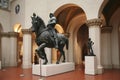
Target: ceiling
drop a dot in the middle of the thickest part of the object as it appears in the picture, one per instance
(110, 9)
(66, 15)
(69, 13)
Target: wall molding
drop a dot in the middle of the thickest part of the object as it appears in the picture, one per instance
(9, 34)
(106, 29)
(26, 31)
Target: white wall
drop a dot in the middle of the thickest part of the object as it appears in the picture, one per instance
(106, 49)
(20, 17)
(110, 44)
(115, 22)
(35, 6)
(44, 7)
(5, 42)
(5, 20)
(91, 7)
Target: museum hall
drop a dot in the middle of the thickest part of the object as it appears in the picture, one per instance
(60, 40)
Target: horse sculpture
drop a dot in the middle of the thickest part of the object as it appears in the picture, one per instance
(45, 39)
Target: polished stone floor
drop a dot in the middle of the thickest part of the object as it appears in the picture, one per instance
(17, 73)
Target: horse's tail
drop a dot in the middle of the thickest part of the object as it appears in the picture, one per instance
(67, 43)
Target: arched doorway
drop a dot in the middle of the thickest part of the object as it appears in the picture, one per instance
(17, 28)
(110, 39)
(82, 39)
(71, 17)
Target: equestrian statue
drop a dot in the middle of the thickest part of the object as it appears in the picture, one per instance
(47, 36)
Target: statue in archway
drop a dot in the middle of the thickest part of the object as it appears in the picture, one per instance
(90, 50)
(46, 36)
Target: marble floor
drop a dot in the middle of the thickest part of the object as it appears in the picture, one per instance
(17, 73)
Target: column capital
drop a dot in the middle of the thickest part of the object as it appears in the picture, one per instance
(9, 34)
(4, 34)
(106, 29)
(13, 34)
(94, 22)
(26, 31)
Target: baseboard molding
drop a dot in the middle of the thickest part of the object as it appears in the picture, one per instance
(112, 66)
(108, 66)
(116, 66)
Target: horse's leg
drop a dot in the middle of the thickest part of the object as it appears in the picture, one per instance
(58, 60)
(45, 57)
(63, 56)
(41, 52)
(61, 53)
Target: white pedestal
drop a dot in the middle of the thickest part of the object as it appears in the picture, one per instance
(0, 64)
(90, 65)
(53, 69)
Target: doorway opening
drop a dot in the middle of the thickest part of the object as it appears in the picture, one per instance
(71, 17)
(17, 28)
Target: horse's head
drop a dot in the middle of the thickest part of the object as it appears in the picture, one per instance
(37, 23)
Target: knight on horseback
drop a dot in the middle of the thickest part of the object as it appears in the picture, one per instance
(48, 37)
(51, 27)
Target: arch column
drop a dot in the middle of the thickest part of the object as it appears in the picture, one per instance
(54, 55)
(13, 48)
(106, 46)
(4, 49)
(95, 35)
(9, 51)
(27, 48)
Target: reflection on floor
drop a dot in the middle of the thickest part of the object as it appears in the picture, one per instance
(16, 73)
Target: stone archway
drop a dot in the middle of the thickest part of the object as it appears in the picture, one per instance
(110, 47)
(71, 17)
(17, 28)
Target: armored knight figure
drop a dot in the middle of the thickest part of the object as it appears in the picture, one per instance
(51, 25)
(34, 17)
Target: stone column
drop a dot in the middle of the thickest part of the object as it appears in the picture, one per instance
(13, 48)
(95, 35)
(54, 55)
(106, 46)
(27, 48)
(0, 52)
(4, 49)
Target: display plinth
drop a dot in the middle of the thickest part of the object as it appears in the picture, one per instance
(90, 65)
(53, 69)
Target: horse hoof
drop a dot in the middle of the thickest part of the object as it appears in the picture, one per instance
(44, 63)
(63, 61)
(57, 62)
(42, 57)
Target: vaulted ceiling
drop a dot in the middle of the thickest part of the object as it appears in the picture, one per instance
(110, 9)
(66, 15)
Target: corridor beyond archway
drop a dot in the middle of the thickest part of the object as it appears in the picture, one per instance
(71, 17)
